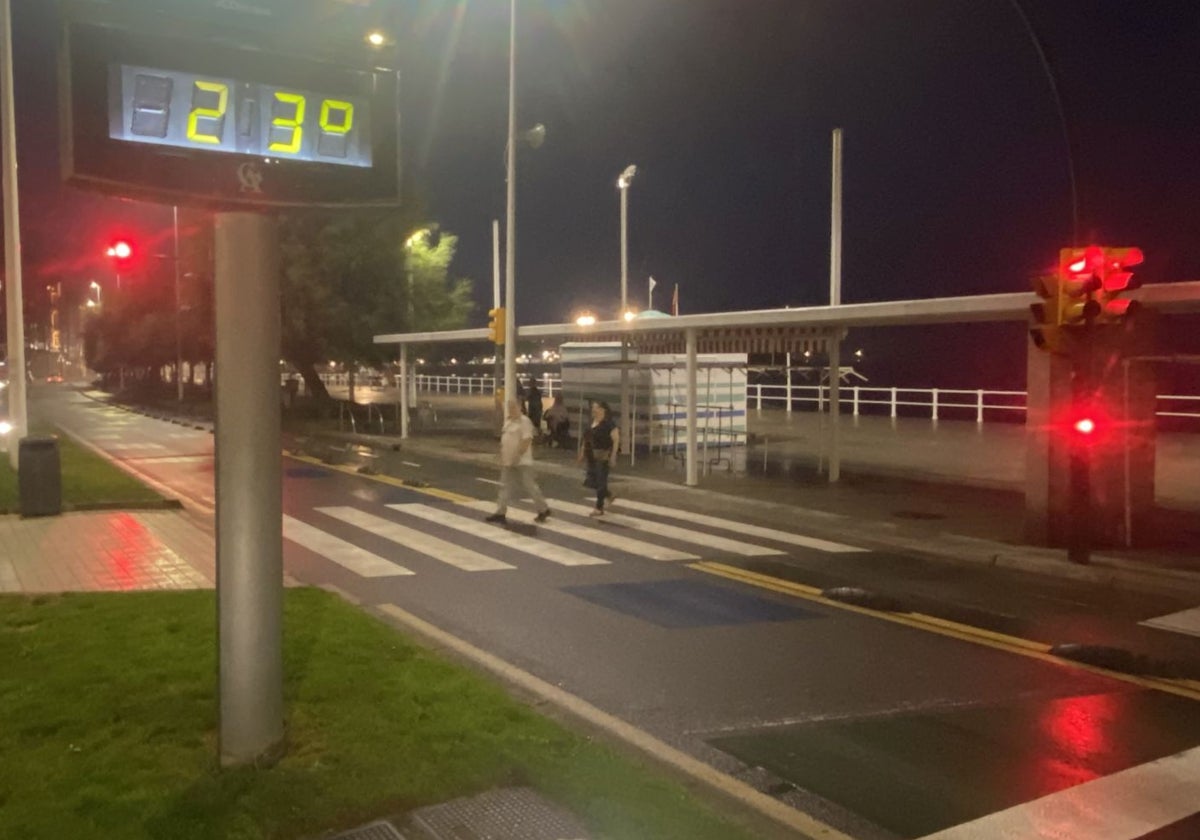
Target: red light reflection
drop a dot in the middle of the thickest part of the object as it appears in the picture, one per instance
(1078, 729)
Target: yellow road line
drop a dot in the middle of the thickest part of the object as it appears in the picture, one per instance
(447, 495)
(950, 629)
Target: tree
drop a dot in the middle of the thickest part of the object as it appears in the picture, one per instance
(346, 278)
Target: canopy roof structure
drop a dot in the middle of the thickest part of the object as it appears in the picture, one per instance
(813, 328)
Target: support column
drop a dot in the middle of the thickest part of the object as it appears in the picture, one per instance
(248, 484)
(835, 407)
(404, 392)
(693, 471)
(1121, 454)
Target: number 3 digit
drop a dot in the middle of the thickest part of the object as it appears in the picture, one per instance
(294, 122)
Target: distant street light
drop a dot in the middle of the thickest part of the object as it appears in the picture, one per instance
(586, 320)
(629, 315)
(376, 38)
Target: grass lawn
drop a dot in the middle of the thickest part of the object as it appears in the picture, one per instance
(87, 480)
(108, 703)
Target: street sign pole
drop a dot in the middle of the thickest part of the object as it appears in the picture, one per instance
(248, 482)
(12, 244)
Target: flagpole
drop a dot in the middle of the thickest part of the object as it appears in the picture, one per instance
(650, 295)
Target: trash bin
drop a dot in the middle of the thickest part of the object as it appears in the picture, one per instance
(39, 476)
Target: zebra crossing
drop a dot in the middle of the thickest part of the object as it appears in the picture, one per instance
(417, 536)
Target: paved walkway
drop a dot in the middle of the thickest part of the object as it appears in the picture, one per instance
(105, 551)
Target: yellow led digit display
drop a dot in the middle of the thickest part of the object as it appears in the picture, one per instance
(295, 122)
(212, 113)
(342, 112)
(217, 113)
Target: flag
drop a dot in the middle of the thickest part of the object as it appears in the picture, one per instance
(675, 300)
(652, 284)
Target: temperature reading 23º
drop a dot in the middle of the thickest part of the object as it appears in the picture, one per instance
(173, 108)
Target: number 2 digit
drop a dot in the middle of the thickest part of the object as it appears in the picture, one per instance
(216, 114)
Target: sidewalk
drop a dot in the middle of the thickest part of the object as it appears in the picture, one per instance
(105, 551)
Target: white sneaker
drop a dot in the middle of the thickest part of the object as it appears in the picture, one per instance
(597, 512)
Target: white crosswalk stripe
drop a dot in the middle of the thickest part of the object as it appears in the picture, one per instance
(1184, 621)
(530, 545)
(418, 541)
(671, 532)
(740, 528)
(601, 536)
(345, 554)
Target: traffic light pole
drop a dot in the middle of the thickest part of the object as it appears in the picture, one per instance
(1079, 475)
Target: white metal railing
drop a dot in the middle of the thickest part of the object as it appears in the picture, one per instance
(979, 402)
(549, 384)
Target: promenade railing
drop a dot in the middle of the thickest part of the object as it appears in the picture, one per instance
(980, 404)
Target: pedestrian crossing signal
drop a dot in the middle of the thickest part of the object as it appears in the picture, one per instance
(1116, 279)
(496, 325)
(1080, 272)
(1045, 331)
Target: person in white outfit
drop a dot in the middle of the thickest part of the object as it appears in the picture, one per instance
(516, 466)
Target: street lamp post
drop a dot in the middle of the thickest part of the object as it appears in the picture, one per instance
(623, 182)
(510, 229)
(405, 392)
(178, 327)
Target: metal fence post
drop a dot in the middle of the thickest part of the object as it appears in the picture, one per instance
(935, 404)
(855, 400)
(893, 401)
(979, 406)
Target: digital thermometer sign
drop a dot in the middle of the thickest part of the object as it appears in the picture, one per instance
(193, 111)
(211, 121)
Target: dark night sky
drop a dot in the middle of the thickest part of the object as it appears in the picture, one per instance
(955, 163)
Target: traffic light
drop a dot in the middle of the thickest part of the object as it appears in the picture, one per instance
(496, 325)
(1045, 332)
(1079, 278)
(121, 252)
(1115, 280)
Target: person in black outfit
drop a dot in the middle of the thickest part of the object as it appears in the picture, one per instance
(558, 423)
(601, 440)
(534, 403)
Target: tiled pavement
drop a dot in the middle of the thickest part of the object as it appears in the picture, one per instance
(105, 551)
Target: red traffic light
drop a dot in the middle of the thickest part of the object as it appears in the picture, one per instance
(120, 249)
(1085, 425)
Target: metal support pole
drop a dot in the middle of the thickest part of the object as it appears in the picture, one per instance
(510, 232)
(498, 366)
(625, 419)
(178, 326)
(12, 246)
(789, 383)
(835, 299)
(1125, 444)
(1079, 470)
(692, 471)
(404, 392)
(248, 482)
